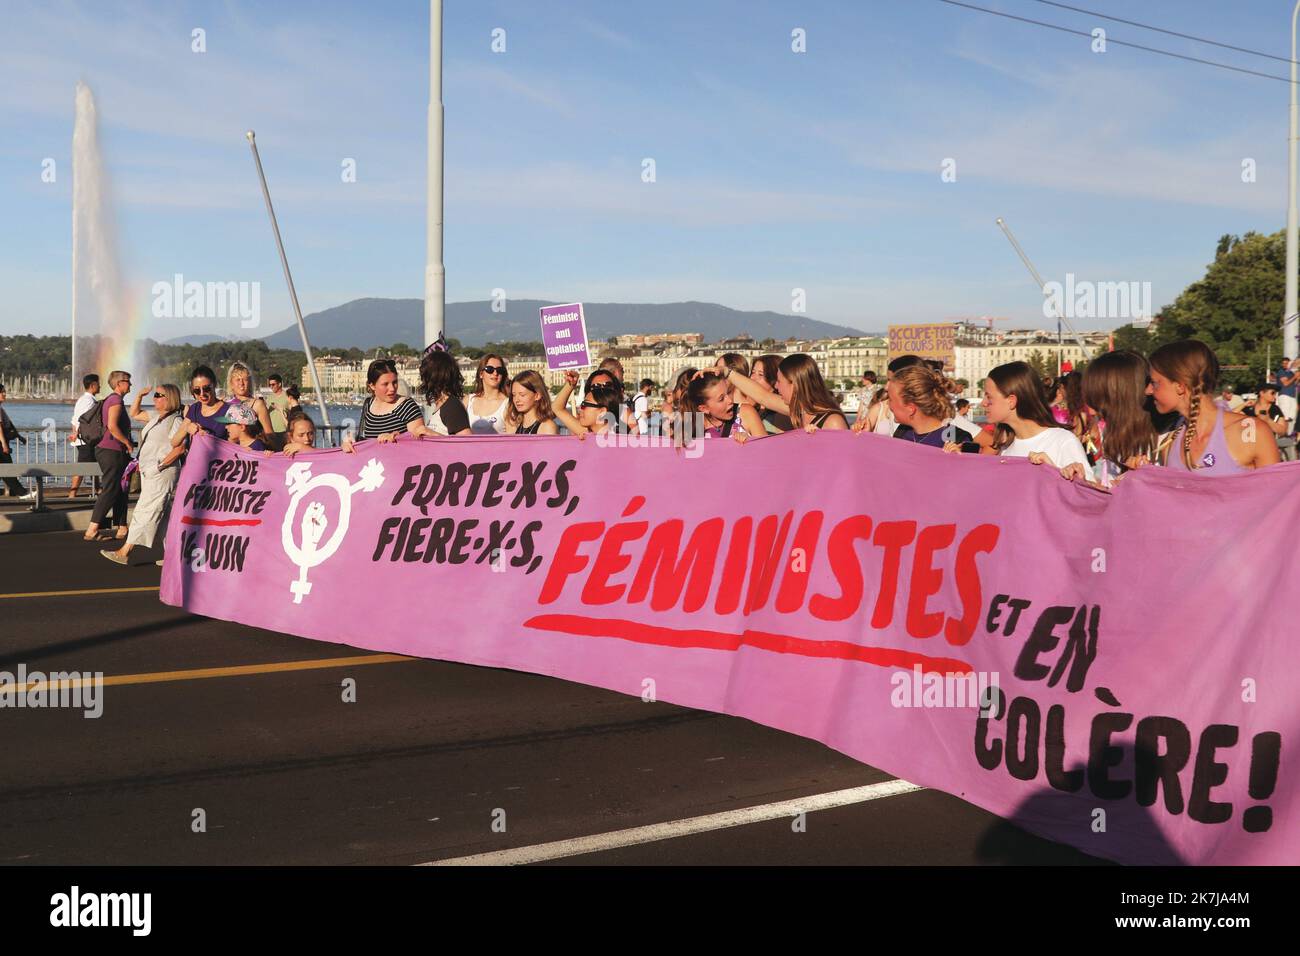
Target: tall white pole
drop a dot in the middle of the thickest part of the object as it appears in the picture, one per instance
(1289, 321)
(435, 276)
(288, 278)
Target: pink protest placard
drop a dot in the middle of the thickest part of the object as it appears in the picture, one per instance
(1136, 669)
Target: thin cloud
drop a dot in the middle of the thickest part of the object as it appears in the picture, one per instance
(602, 32)
(690, 201)
(505, 81)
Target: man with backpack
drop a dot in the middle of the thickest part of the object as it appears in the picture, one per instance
(109, 432)
(85, 452)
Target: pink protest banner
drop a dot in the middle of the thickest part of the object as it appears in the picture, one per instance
(1135, 650)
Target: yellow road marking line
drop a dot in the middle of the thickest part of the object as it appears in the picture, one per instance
(35, 594)
(203, 673)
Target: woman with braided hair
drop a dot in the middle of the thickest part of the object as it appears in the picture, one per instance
(1211, 440)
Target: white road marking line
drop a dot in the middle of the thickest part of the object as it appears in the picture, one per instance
(680, 828)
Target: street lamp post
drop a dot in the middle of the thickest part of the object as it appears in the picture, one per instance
(1290, 321)
(288, 278)
(435, 276)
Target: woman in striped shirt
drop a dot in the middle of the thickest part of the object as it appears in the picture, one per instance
(385, 414)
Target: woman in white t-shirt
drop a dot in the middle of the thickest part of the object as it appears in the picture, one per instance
(1014, 401)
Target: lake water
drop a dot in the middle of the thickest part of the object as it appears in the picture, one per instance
(37, 415)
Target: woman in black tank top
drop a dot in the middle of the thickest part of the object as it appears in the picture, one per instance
(529, 411)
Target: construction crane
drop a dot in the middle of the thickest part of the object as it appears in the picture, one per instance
(1042, 287)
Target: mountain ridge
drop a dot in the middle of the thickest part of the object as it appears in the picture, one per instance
(371, 322)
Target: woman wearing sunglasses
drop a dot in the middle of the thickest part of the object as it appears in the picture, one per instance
(600, 410)
(591, 415)
(202, 415)
(159, 452)
(601, 377)
(488, 404)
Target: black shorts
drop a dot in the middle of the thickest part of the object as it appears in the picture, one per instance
(85, 453)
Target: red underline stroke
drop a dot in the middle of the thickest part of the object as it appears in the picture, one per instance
(222, 522)
(580, 626)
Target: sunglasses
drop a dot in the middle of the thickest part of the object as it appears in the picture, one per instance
(591, 405)
(202, 389)
(158, 395)
(494, 369)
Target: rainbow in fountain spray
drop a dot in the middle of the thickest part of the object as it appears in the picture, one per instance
(106, 316)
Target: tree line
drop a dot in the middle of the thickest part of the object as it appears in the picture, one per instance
(1236, 309)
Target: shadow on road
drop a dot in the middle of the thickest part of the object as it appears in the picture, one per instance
(32, 655)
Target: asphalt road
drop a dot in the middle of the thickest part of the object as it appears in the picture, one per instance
(432, 761)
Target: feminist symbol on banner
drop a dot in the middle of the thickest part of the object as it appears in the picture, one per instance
(312, 526)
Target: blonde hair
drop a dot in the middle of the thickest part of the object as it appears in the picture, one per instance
(173, 395)
(926, 389)
(235, 369)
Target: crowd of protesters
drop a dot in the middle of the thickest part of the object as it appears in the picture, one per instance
(1122, 412)
(102, 433)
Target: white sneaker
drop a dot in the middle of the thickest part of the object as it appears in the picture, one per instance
(30, 496)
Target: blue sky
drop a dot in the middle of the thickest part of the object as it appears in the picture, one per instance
(774, 170)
